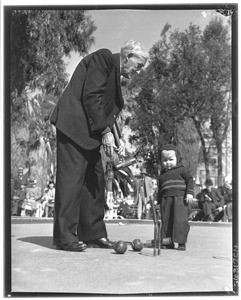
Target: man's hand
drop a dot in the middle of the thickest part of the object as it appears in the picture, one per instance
(108, 143)
(207, 198)
(219, 208)
(121, 149)
(189, 198)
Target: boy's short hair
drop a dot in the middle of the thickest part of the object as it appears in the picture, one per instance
(168, 147)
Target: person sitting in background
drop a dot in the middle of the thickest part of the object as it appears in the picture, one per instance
(226, 192)
(19, 179)
(212, 202)
(49, 196)
(17, 200)
(33, 198)
(124, 209)
(195, 207)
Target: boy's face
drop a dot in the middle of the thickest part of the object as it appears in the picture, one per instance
(168, 159)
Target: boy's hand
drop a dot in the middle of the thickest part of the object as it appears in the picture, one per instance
(189, 198)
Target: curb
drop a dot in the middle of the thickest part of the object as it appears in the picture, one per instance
(27, 220)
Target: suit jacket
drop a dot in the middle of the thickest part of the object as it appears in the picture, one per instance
(91, 101)
(34, 192)
(17, 181)
(214, 194)
(226, 193)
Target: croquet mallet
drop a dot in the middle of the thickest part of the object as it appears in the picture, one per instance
(157, 229)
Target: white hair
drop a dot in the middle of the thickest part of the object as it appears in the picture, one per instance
(135, 48)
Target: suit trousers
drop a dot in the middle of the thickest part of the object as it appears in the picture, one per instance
(174, 215)
(228, 212)
(209, 208)
(80, 192)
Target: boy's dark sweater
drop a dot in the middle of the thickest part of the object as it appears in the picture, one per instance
(177, 181)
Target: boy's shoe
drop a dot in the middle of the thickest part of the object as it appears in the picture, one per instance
(171, 246)
(181, 247)
(167, 246)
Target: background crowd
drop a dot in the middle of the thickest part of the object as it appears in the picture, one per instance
(28, 199)
(211, 204)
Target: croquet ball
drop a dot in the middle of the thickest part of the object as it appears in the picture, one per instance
(137, 245)
(120, 247)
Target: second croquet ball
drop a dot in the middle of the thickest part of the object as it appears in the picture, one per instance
(137, 245)
(120, 247)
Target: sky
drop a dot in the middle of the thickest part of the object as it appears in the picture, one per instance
(116, 26)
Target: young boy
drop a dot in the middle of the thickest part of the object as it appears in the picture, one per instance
(175, 191)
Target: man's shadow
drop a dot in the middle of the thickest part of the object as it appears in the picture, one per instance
(43, 241)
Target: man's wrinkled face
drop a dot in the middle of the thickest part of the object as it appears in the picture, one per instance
(168, 159)
(132, 65)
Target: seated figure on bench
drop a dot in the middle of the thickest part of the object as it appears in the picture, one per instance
(195, 207)
(124, 209)
(31, 204)
(18, 197)
(226, 192)
(212, 202)
(49, 197)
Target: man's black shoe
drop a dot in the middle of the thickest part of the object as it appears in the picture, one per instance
(101, 243)
(74, 246)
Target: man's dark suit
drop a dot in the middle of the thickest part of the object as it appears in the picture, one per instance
(90, 103)
(211, 206)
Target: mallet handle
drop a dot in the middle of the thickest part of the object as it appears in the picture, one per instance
(116, 133)
(156, 229)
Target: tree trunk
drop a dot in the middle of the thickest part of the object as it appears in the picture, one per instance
(203, 145)
(220, 165)
(206, 163)
(38, 159)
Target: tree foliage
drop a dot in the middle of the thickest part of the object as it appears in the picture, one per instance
(187, 81)
(39, 42)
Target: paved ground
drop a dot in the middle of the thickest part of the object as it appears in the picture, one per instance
(205, 267)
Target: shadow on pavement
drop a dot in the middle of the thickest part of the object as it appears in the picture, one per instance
(44, 241)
